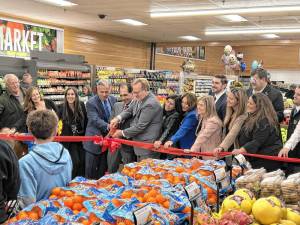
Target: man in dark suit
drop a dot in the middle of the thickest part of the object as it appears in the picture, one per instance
(259, 84)
(126, 153)
(146, 113)
(219, 84)
(98, 109)
(292, 146)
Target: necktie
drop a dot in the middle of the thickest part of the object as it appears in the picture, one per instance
(295, 112)
(106, 109)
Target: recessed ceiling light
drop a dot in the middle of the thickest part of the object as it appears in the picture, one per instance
(190, 38)
(131, 22)
(253, 31)
(232, 18)
(283, 8)
(62, 3)
(270, 36)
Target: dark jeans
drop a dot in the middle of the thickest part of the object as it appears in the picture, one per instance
(95, 165)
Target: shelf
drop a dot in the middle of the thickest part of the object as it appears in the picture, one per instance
(53, 93)
(49, 85)
(69, 78)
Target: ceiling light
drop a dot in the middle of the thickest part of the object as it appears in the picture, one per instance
(232, 18)
(253, 31)
(270, 36)
(227, 11)
(62, 3)
(190, 38)
(131, 22)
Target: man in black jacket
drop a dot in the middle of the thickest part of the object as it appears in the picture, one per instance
(9, 179)
(11, 104)
(219, 84)
(259, 83)
(292, 146)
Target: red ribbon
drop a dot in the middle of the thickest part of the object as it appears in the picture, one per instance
(113, 144)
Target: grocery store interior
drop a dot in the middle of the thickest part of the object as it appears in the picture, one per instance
(164, 112)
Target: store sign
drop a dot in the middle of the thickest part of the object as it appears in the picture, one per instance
(17, 39)
(196, 52)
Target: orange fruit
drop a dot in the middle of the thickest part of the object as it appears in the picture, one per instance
(127, 194)
(69, 193)
(186, 210)
(151, 178)
(151, 199)
(160, 199)
(84, 210)
(85, 222)
(152, 193)
(77, 206)
(22, 215)
(52, 196)
(117, 202)
(33, 215)
(179, 169)
(144, 177)
(121, 223)
(62, 193)
(156, 223)
(68, 202)
(76, 211)
(56, 191)
(141, 199)
(78, 199)
(166, 204)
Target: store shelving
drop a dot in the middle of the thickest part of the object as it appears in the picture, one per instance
(162, 83)
(54, 73)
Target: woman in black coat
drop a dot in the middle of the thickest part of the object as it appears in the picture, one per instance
(74, 120)
(171, 120)
(260, 133)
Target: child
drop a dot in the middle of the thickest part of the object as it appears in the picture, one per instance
(48, 165)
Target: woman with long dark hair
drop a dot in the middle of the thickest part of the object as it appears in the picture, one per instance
(260, 134)
(74, 120)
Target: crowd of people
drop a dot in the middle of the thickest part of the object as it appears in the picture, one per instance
(229, 119)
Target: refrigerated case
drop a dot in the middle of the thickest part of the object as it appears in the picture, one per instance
(53, 73)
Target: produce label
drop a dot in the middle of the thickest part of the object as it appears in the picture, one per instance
(220, 174)
(143, 215)
(241, 159)
(17, 39)
(192, 190)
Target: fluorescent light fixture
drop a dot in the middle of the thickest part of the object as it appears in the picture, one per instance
(131, 22)
(190, 38)
(283, 8)
(232, 18)
(253, 31)
(63, 3)
(270, 36)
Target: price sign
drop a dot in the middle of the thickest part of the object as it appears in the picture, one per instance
(241, 159)
(220, 174)
(192, 190)
(143, 215)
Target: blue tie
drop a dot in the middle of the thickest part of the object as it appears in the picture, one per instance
(106, 109)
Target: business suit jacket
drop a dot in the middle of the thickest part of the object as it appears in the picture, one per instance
(221, 106)
(146, 121)
(186, 134)
(209, 136)
(97, 121)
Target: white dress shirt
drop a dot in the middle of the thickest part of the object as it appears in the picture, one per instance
(295, 137)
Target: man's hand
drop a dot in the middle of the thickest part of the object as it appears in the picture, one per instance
(168, 144)
(117, 134)
(114, 123)
(157, 144)
(284, 152)
(239, 151)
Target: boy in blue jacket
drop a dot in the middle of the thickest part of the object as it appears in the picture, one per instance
(48, 165)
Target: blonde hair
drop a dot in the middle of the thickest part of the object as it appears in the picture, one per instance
(144, 82)
(264, 109)
(209, 105)
(242, 98)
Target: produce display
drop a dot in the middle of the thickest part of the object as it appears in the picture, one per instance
(156, 188)
(173, 192)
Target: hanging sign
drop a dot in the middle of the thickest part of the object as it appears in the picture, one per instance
(17, 39)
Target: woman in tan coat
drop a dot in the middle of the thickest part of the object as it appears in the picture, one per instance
(209, 130)
(234, 119)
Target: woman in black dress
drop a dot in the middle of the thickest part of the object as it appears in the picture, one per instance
(260, 133)
(74, 120)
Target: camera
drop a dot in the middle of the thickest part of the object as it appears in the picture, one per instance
(101, 16)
